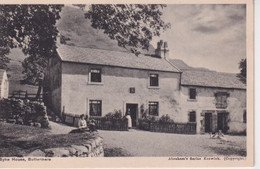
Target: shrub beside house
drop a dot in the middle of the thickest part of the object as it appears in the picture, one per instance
(23, 112)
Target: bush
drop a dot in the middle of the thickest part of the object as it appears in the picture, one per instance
(23, 112)
(111, 121)
(165, 119)
(116, 115)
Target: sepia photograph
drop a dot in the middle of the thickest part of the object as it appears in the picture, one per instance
(96, 83)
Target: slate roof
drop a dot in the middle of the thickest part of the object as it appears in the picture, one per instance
(211, 79)
(113, 58)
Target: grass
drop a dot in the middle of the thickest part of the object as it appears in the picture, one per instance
(115, 152)
(230, 151)
(18, 140)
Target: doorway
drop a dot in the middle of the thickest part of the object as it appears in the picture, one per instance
(133, 112)
(208, 122)
(223, 121)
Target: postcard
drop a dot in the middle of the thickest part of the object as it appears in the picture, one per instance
(127, 84)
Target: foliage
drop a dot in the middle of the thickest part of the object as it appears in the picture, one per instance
(23, 112)
(3, 59)
(32, 28)
(165, 119)
(117, 114)
(132, 25)
(242, 67)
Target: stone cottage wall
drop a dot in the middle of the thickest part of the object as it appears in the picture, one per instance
(114, 89)
(54, 84)
(206, 102)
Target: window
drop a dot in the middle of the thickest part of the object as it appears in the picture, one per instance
(244, 117)
(192, 116)
(192, 93)
(95, 107)
(131, 90)
(221, 100)
(154, 108)
(154, 80)
(95, 75)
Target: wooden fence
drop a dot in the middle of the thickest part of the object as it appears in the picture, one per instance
(110, 124)
(23, 95)
(179, 128)
(101, 122)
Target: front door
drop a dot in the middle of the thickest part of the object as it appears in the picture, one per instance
(133, 112)
(208, 122)
(222, 122)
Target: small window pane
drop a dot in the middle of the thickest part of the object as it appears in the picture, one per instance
(193, 93)
(192, 116)
(95, 107)
(154, 108)
(95, 75)
(154, 80)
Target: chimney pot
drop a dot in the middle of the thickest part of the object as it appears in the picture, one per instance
(162, 50)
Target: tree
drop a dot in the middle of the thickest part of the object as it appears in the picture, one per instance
(32, 28)
(132, 25)
(242, 67)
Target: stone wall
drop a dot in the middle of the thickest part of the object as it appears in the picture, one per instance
(54, 85)
(205, 102)
(89, 148)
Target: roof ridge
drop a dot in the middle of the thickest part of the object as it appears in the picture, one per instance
(98, 49)
(113, 58)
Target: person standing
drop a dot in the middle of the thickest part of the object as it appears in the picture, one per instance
(129, 119)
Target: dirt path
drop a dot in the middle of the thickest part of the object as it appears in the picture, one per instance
(144, 143)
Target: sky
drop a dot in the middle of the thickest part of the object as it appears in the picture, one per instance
(210, 36)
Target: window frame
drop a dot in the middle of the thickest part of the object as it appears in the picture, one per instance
(221, 100)
(90, 76)
(99, 114)
(190, 92)
(150, 80)
(153, 103)
(195, 116)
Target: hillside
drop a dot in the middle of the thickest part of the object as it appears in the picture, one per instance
(184, 67)
(74, 26)
(15, 72)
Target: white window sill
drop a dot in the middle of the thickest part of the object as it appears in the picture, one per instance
(192, 100)
(153, 87)
(95, 83)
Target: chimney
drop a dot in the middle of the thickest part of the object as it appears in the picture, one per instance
(162, 50)
(166, 51)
